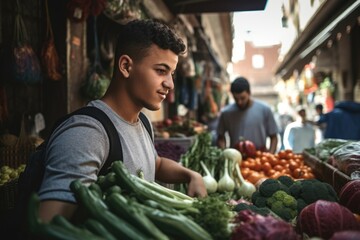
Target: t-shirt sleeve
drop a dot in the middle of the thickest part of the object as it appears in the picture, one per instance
(272, 127)
(220, 129)
(77, 150)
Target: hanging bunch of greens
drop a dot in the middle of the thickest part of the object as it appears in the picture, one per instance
(25, 65)
(97, 82)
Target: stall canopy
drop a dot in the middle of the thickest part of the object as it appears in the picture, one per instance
(331, 17)
(211, 6)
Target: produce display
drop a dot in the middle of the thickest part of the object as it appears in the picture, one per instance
(324, 218)
(9, 174)
(349, 196)
(123, 206)
(279, 204)
(342, 154)
(267, 165)
(177, 127)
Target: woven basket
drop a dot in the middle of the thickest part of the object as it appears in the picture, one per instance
(14, 156)
(8, 195)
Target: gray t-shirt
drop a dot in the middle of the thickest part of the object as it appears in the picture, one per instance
(255, 123)
(79, 147)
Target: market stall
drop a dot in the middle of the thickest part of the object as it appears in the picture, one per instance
(251, 194)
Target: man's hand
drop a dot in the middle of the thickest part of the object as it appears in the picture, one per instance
(169, 171)
(196, 186)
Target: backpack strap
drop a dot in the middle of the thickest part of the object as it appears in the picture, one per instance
(146, 123)
(115, 151)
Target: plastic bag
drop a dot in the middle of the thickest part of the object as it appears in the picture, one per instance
(347, 157)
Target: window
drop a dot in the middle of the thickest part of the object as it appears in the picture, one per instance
(258, 61)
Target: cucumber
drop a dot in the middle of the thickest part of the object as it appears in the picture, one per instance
(62, 230)
(95, 206)
(125, 209)
(175, 225)
(133, 184)
(97, 228)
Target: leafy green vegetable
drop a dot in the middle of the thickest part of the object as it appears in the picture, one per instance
(214, 216)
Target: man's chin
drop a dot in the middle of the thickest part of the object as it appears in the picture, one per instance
(153, 107)
(242, 108)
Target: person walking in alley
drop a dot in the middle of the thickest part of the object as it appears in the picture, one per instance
(299, 134)
(343, 121)
(247, 117)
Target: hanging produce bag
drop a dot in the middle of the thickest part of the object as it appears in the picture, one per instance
(25, 65)
(79, 10)
(97, 82)
(49, 56)
(123, 11)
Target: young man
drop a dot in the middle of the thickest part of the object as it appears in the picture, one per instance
(248, 118)
(145, 61)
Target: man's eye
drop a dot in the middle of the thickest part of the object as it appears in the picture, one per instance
(161, 71)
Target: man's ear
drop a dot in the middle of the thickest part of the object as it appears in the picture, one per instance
(124, 65)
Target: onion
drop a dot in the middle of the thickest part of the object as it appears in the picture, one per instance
(209, 181)
(226, 183)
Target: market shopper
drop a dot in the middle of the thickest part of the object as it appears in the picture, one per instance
(319, 109)
(146, 58)
(247, 117)
(343, 121)
(299, 134)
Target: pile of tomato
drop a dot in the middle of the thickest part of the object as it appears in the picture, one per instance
(267, 165)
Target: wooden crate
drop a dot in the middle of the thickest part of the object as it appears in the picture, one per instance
(325, 172)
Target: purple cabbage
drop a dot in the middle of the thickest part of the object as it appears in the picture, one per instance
(249, 225)
(324, 218)
(346, 235)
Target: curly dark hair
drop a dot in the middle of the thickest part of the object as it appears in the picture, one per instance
(138, 35)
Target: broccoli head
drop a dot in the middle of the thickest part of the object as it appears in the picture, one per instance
(286, 180)
(301, 204)
(258, 200)
(283, 204)
(295, 189)
(269, 187)
(259, 210)
(254, 196)
(311, 191)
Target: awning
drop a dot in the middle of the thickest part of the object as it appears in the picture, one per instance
(214, 6)
(333, 16)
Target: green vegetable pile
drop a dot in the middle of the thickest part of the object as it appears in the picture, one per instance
(123, 206)
(213, 216)
(325, 148)
(202, 150)
(286, 197)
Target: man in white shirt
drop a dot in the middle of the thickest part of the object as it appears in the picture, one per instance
(299, 134)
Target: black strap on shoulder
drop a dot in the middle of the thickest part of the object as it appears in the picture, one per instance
(115, 151)
(146, 123)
